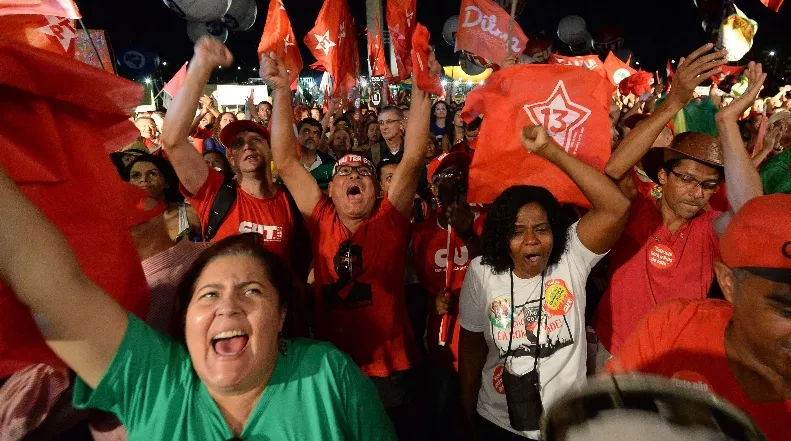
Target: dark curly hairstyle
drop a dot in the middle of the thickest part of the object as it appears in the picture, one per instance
(498, 230)
(172, 192)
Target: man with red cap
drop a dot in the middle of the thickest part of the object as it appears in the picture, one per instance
(359, 244)
(258, 205)
(739, 349)
(668, 248)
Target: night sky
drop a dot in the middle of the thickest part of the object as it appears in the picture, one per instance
(661, 29)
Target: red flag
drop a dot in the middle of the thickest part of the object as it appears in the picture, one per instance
(57, 8)
(590, 62)
(483, 31)
(278, 37)
(333, 41)
(173, 86)
(376, 53)
(401, 21)
(571, 103)
(773, 4)
(326, 106)
(669, 71)
(727, 74)
(53, 34)
(421, 50)
(616, 69)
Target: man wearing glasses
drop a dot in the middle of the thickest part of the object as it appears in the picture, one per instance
(391, 147)
(669, 246)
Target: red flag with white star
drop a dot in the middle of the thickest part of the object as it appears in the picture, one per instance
(278, 37)
(727, 75)
(401, 21)
(571, 103)
(333, 41)
(46, 32)
(57, 8)
(376, 53)
(483, 30)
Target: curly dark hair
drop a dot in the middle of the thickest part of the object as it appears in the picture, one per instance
(498, 230)
(172, 192)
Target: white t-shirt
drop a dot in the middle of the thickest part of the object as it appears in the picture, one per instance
(485, 306)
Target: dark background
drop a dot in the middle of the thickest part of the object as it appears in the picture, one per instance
(656, 30)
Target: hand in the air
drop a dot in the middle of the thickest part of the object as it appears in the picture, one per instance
(210, 53)
(535, 139)
(692, 71)
(755, 80)
(273, 71)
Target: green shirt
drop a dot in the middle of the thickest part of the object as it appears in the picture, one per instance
(316, 393)
(776, 173)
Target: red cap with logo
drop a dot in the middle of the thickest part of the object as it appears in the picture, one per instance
(228, 134)
(446, 159)
(759, 238)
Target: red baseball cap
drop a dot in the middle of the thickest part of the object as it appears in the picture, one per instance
(446, 159)
(228, 134)
(758, 238)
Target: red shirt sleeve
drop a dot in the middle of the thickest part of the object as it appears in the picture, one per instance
(203, 199)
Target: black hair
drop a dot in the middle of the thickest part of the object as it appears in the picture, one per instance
(310, 121)
(172, 192)
(247, 244)
(227, 169)
(382, 164)
(474, 124)
(434, 108)
(342, 118)
(498, 230)
(267, 103)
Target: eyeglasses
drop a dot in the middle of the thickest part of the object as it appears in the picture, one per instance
(362, 170)
(689, 181)
(389, 121)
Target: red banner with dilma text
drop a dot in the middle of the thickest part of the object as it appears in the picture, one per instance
(483, 31)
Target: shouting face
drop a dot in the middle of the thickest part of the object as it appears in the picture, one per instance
(532, 241)
(353, 190)
(250, 152)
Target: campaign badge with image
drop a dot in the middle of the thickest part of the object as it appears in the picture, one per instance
(558, 298)
(660, 256)
(500, 312)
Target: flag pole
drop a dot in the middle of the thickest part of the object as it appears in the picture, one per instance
(93, 45)
(510, 27)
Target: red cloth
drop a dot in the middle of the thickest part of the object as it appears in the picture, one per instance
(572, 103)
(367, 317)
(401, 21)
(483, 31)
(649, 266)
(333, 41)
(421, 50)
(278, 37)
(590, 62)
(173, 86)
(727, 74)
(637, 84)
(49, 33)
(685, 340)
(376, 53)
(669, 71)
(773, 4)
(58, 8)
(200, 136)
(616, 69)
(430, 254)
(77, 120)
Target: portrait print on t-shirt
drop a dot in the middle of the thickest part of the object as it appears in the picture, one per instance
(526, 340)
(347, 292)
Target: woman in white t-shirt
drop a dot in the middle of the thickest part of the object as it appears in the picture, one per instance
(526, 295)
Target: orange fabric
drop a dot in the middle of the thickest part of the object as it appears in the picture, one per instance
(173, 86)
(420, 53)
(401, 21)
(366, 317)
(57, 8)
(483, 31)
(616, 69)
(333, 41)
(278, 37)
(590, 62)
(77, 120)
(48, 33)
(572, 103)
(376, 53)
(637, 84)
(685, 340)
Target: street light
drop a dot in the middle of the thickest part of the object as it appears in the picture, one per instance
(771, 53)
(636, 63)
(164, 63)
(363, 83)
(673, 61)
(147, 80)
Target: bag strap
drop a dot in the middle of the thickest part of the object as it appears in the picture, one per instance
(225, 198)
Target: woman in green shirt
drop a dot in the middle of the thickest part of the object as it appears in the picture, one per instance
(236, 376)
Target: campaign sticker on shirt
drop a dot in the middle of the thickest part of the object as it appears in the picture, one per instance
(558, 299)
(497, 380)
(692, 380)
(660, 256)
(500, 312)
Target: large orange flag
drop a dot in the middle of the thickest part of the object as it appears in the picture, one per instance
(278, 37)
(483, 31)
(616, 69)
(333, 41)
(572, 104)
(57, 8)
(401, 21)
(590, 62)
(376, 53)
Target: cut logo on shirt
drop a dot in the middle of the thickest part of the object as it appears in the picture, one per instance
(270, 233)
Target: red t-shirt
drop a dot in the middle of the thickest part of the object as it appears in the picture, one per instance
(430, 254)
(366, 316)
(649, 266)
(273, 218)
(685, 340)
(201, 135)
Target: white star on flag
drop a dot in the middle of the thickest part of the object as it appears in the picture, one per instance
(60, 28)
(287, 42)
(409, 16)
(324, 42)
(280, 2)
(561, 117)
(396, 33)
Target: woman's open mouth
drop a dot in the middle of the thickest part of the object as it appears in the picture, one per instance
(230, 343)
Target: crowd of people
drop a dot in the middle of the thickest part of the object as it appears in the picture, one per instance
(323, 276)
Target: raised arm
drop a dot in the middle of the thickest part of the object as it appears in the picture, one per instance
(300, 182)
(81, 323)
(405, 180)
(691, 72)
(188, 162)
(744, 182)
(600, 227)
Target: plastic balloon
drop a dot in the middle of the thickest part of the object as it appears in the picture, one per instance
(572, 30)
(469, 66)
(196, 30)
(241, 15)
(199, 10)
(449, 30)
(607, 39)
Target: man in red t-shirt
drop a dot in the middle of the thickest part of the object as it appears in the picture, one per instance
(668, 248)
(739, 349)
(359, 244)
(260, 205)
